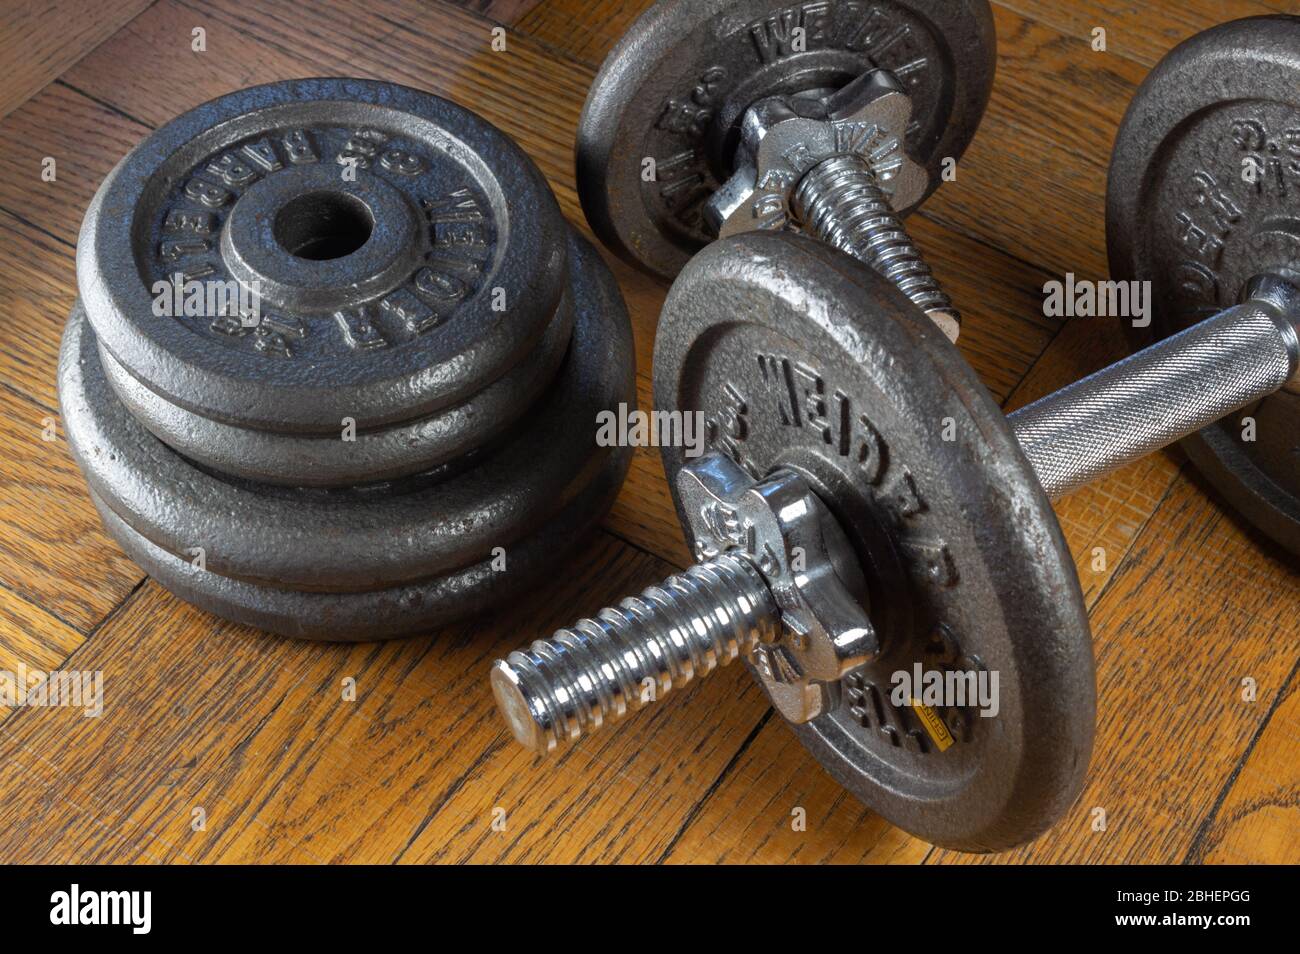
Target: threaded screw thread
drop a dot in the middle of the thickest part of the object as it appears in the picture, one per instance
(840, 201)
(598, 670)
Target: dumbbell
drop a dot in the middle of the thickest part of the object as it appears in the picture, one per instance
(865, 509)
(715, 117)
(387, 419)
(1204, 194)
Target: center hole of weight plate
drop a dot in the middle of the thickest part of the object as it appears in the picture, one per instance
(320, 226)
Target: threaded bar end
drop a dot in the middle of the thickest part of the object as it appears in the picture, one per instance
(840, 201)
(598, 670)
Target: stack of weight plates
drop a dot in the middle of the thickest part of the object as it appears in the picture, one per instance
(338, 361)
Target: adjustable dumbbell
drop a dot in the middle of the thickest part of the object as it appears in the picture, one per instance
(865, 508)
(723, 116)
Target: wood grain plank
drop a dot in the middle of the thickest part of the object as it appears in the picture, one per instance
(52, 549)
(1142, 32)
(85, 139)
(1054, 86)
(620, 799)
(501, 11)
(37, 288)
(155, 650)
(1199, 604)
(150, 72)
(778, 806)
(254, 731)
(585, 30)
(39, 40)
(32, 637)
(1258, 821)
(1047, 134)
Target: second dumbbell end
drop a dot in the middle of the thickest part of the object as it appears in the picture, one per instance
(1165, 392)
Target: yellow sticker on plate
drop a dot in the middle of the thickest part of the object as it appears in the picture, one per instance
(934, 726)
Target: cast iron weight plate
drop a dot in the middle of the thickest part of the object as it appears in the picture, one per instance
(377, 294)
(395, 611)
(803, 358)
(1182, 213)
(678, 83)
(351, 540)
(326, 460)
